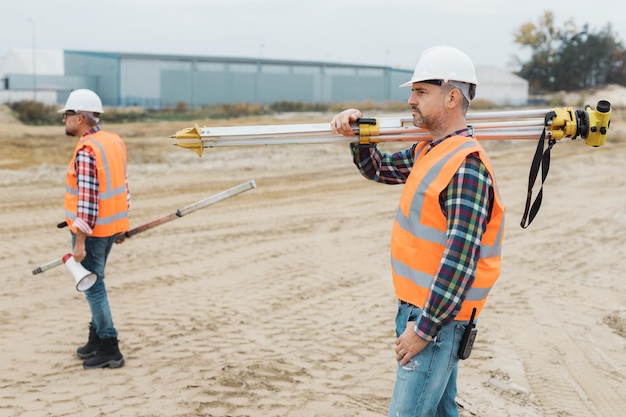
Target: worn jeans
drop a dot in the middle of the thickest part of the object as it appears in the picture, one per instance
(426, 385)
(98, 249)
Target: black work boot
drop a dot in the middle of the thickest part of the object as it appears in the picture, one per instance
(108, 355)
(93, 343)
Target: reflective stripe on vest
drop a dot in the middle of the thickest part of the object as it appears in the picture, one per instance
(112, 194)
(419, 234)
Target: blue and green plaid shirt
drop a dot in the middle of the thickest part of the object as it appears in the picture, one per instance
(466, 203)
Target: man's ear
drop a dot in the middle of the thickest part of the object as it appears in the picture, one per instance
(454, 98)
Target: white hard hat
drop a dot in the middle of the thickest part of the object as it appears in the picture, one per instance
(83, 100)
(444, 63)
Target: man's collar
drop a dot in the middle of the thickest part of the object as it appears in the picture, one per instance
(92, 130)
(467, 132)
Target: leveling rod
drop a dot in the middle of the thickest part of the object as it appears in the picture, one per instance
(566, 122)
(231, 192)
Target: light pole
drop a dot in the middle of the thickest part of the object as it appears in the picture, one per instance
(258, 74)
(34, 61)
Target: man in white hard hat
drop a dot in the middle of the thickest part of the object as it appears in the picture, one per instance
(97, 202)
(447, 234)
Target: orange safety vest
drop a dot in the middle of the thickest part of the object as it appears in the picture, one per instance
(110, 152)
(419, 231)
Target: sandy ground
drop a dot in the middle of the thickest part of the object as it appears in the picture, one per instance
(278, 302)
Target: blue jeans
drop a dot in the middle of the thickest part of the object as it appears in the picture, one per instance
(98, 249)
(426, 385)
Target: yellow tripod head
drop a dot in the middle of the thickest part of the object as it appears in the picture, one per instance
(590, 124)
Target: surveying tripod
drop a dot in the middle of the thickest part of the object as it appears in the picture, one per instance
(590, 124)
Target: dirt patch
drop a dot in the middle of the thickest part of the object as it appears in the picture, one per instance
(617, 322)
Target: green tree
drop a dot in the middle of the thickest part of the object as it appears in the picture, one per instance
(590, 59)
(566, 58)
(543, 40)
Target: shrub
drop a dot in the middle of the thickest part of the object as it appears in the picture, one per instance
(32, 112)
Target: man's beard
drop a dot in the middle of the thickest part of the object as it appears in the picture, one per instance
(428, 123)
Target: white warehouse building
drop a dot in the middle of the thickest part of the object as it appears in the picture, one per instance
(501, 87)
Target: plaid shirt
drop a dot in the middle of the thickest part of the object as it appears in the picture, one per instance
(87, 181)
(466, 203)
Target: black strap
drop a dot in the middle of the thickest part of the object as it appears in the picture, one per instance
(540, 160)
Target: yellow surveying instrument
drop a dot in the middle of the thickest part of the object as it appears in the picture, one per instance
(589, 124)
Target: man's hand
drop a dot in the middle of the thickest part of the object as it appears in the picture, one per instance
(409, 344)
(120, 238)
(79, 252)
(341, 122)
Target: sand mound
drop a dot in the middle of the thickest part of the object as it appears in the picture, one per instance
(6, 115)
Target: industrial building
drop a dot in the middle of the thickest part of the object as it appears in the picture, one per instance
(165, 81)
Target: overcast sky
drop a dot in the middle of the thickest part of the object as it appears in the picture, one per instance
(378, 32)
